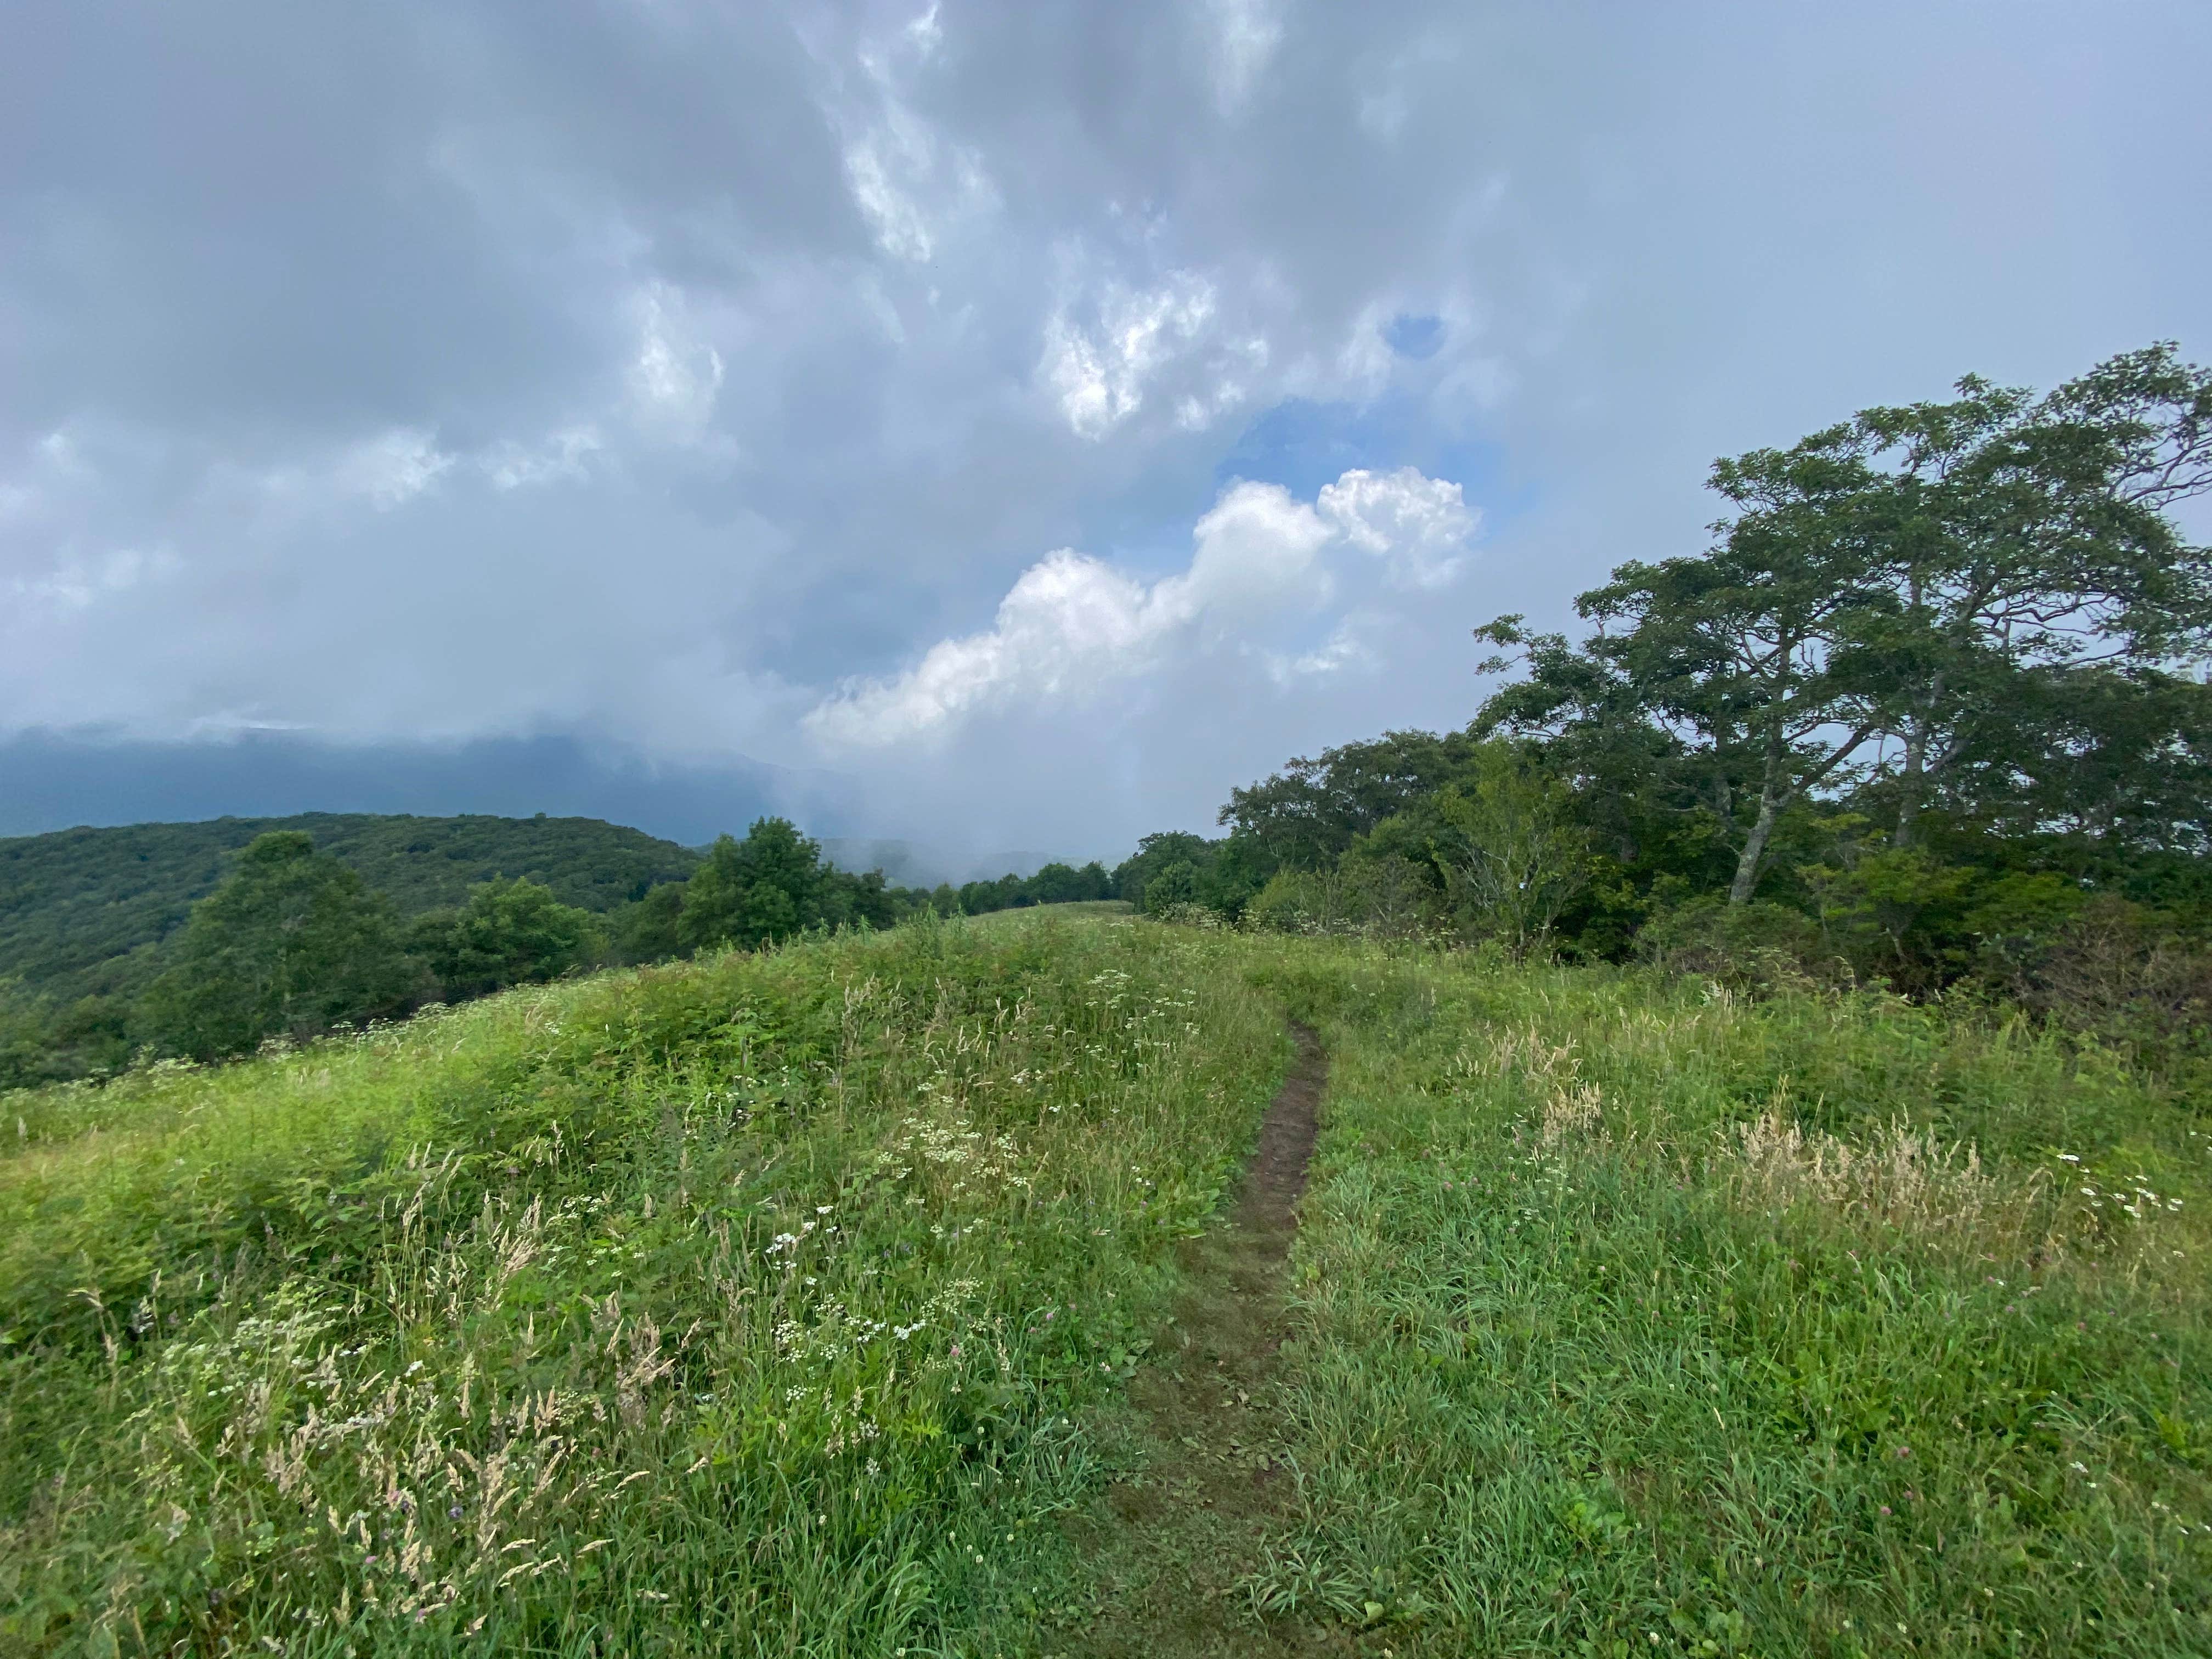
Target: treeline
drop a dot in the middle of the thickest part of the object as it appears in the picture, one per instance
(1930, 711)
(1054, 884)
(294, 943)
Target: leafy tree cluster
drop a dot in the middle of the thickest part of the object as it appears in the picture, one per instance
(86, 912)
(1054, 884)
(290, 945)
(1930, 705)
(294, 942)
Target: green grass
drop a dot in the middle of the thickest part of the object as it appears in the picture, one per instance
(741, 1306)
(779, 1305)
(1067, 910)
(1637, 1321)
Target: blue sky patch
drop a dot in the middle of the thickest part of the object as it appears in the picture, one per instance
(1414, 337)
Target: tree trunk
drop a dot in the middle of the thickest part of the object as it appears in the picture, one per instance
(1916, 764)
(1908, 802)
(1754, 850)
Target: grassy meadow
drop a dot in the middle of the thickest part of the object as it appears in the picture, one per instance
(1634, 1318)
(745, 1305)
(784, 1303)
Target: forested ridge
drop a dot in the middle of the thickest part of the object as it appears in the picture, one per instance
(340, 918)
(74, 904)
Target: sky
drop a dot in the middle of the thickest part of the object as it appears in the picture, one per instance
(1038, 418)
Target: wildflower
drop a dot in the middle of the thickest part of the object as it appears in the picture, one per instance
(454, 1512)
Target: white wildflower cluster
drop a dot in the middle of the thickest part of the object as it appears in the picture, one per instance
(973, 1160)
(2134, 1199)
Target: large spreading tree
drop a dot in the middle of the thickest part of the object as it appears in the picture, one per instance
(1984, 604)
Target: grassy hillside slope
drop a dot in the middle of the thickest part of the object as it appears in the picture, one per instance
(743, 1305)
(79, 908)
(1639, 1319)
(779, 1305)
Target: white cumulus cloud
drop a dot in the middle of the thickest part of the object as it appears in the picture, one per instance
(1071, 624)
(392, 468)
(562, 457)
(1418, 526)
(1100, 373)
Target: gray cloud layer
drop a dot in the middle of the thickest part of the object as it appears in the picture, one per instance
(683, 376)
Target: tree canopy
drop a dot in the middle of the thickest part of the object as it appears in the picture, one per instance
(1909, 606)
(291, 944)
(1930, 705)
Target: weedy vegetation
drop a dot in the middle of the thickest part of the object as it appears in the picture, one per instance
(1636, 1317)
(783, 1304)
(743, 1305)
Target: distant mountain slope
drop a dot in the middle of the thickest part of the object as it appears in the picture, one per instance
(81, 910)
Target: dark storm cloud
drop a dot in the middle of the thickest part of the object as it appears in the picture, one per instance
(667, 374)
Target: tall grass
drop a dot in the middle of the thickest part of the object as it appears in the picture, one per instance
(755, 1306)
(745, 1305)
(1635, 1318)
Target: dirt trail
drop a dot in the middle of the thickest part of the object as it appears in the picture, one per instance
(1171, 1543)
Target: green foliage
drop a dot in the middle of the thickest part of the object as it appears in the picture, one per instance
(1053, 883)
(771, 886)
(765, 888)
(1511, 854)
(646, 930)
(86, 912)
(290, 945)
(1759, 947)
(1220, 875)
(1172, 887)
(472, 929)
(514, 932)
(1974, 607)
(2118, 971)
(42, 1042)
(1308, 815)
(1298, 902)
(1937, 684)
(1156, 853)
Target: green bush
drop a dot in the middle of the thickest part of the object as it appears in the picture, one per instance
(513, 932)
(1757, 947)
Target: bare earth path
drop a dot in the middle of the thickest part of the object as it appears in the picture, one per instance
(1171, 1543)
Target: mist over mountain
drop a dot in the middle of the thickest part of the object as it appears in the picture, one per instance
(916, 863)
(51, 781)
